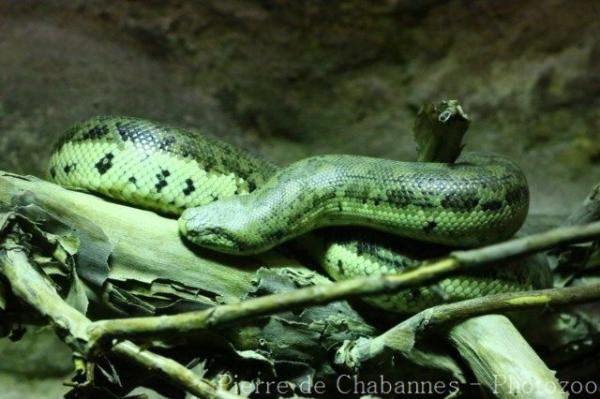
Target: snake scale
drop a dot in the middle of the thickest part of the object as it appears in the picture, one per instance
(232, 201)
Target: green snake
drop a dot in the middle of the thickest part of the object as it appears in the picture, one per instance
(235, 202)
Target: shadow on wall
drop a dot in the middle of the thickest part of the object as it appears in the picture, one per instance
(289, 79)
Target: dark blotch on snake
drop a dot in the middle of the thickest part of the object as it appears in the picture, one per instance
(162, 180)
(516, 195)
(452, 201)
(166, 143)
(123, 131)
(209, 164)
(429, 226)
(276, 235)
(105, 163)
(398, 198)
(318, 200)
(491, 205)
(470, 203)
(415, 293)
(68, 168)
(96, 132)
(189, 188)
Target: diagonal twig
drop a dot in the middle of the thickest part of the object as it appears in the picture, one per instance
(456, 261)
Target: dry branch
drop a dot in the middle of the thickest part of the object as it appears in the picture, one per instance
(27, 283)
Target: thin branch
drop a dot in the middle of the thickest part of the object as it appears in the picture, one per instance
(500, 303)
(528, 245)
(171, 370)
(404, 336)
(29, 285)
(225, 314)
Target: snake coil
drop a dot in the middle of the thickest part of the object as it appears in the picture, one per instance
(232, 201)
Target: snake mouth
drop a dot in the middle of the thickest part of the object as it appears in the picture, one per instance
(214, 238)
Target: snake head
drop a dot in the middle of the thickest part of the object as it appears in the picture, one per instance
(216, 226)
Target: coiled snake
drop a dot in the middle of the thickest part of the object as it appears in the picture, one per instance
(232, 201)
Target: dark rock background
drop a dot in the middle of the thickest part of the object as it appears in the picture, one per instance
(288, 79)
